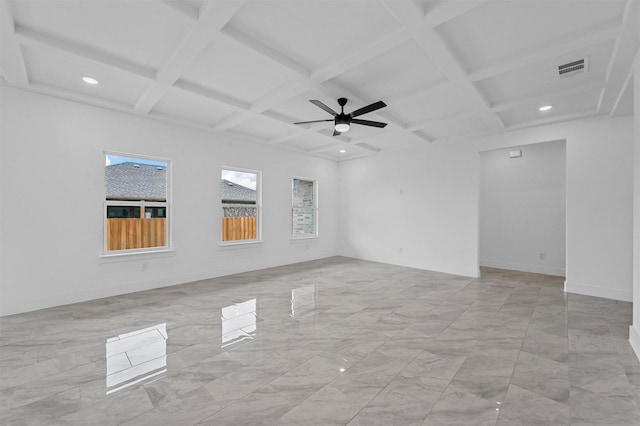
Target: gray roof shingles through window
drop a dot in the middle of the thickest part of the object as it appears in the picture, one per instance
(133, 181)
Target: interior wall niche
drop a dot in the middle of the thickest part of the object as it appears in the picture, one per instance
(523, 208)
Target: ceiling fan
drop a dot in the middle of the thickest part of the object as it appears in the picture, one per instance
(342, 121)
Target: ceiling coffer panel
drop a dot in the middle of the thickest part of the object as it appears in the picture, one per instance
(543, 77)
(578, 103)
(191, 107)
(143, 32)
(234, 71)
(498, 30)
(387, 76)
(311, 33)
(115, 85)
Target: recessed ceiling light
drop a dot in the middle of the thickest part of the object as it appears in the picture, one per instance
(90, 80)
(342, 151)
(545, 108)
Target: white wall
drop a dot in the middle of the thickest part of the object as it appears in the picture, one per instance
(522, 209)
(51, 177)
(415, 208)
(435, 220)
(634, 331)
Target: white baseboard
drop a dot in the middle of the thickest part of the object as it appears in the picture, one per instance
(472, 271)
(536, 269)
(634, 339)
(604, 292)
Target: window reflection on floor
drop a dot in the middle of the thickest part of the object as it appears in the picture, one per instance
(303, 299)
(136, 357)
(238, 322)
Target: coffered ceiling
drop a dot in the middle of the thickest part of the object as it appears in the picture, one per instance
(446, 69)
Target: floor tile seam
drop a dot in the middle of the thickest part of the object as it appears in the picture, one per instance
(583, 388)
(566, 404)
(450, 382)
(366, 404)
(52, 396)
(49, 376)
(196, 422)
(439, 397)
(514, 368)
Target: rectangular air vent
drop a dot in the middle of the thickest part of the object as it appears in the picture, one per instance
(573, 68)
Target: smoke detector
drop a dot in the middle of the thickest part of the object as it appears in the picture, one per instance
(573, 68)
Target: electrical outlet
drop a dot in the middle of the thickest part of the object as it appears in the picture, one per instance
(401, 249)
(144, 267)
(542, 256)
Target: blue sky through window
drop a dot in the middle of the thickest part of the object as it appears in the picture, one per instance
(246, 179)
(116, 159)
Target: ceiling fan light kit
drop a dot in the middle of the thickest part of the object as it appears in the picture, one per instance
(341, 126)
(341, 121)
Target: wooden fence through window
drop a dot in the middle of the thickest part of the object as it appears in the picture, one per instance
(238, 228)
(126, 234)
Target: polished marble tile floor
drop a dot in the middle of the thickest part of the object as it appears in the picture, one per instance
(336, 341)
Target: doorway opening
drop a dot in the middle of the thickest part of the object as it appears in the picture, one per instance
(522, 208)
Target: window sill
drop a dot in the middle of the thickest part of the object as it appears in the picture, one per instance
(135, 255)
(240, 244)
(311, 237)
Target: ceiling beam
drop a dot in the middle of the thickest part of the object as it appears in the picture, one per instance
(368, 147)
(623, 89)
(449, 10)
(621, 61)
(233, 120)
(11, 58)
(183, 8)
(212, 95)
(41, 39)
(552, 119)
(265, 51)
(417, 92)
(356, 55)
(59, 92)
(433, 45)
(323, 148)
(288, 90)
(445, 120)
(211, 18)
(315, 127)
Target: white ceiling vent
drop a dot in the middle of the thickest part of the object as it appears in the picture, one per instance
(573, 68)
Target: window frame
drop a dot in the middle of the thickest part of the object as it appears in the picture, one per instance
(314, 208)
(167, 204)
(257, 205)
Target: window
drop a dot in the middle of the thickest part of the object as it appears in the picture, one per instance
(238, 322)
(136, 357)
(304, 210)
(240, 197)
(136, 205)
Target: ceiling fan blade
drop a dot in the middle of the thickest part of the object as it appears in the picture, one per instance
(314, 121)
(374, 106)
(369, 122)
(336, 133)
(323, 106)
